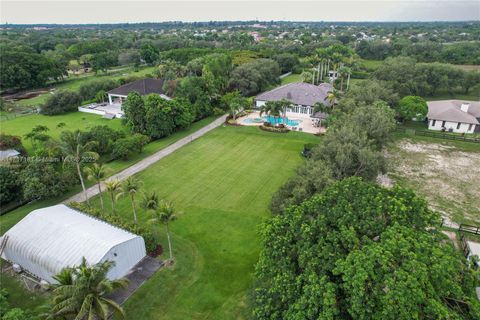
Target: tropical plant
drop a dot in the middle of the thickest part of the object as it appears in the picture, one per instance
(150, 201)
(78, 153)
(332, 97)
(130, 188)
(81, 293)
(113, 187)
(164, 214)
(272, 108)
(96, 173)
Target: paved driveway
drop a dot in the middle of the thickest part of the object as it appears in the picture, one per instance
(148, 161)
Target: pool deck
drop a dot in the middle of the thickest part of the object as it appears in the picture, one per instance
(306, 123)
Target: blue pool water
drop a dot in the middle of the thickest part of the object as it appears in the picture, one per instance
(272, 120)
(289, 122)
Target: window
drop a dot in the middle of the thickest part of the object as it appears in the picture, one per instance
(443, 124)
(434, 122)
(470, 127)
(458, 125)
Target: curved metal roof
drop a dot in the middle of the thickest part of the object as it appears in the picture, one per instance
(50, 239)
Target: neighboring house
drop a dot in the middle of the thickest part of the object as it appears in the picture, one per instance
(9, 154)
(143, 87)
(302, 95)
(50, 239)
(454, 116)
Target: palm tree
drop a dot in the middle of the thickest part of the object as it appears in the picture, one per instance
(332, 97)
(272, 108)
(165, 213)
(344, 71)
(112, 187)
(78, 153)
(130, 188)
(284, 104)
(96, 173)
(81, 292)
(150, 201)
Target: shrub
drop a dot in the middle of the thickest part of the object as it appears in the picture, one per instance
(11, 187)
(11, 142)
(274, 129)
(61, 102)
(124, 147)
(218, 112)
(147, 235)
(104, 136)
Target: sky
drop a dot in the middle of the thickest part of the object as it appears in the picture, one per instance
(117, 11)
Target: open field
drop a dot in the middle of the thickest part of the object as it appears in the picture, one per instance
(222, 184)
(292, 78)
(74, 83)
(445, 173)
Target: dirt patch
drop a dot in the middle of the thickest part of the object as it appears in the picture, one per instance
(447, 177)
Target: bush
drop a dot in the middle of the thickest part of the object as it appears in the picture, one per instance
(147, 235)
(61, 102)
(11, 187)
(359, 75)
(274, 129)
(104, 136)
(124, 147)
(218, 112)
(11, 142)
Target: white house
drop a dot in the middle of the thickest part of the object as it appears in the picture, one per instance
(143, 87)
(50, 239)
(302, 95)
(454, 116)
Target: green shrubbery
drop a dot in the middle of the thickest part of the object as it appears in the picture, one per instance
(61, 102)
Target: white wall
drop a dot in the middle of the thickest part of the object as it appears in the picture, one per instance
(125, 255)
(87, 110)
(291, 112)
(453, 125)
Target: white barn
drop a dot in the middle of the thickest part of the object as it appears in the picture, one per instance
(50, 239)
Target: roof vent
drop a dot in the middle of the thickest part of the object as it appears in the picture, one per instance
(465, 106)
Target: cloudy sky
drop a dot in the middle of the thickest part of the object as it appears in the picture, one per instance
(112, 11)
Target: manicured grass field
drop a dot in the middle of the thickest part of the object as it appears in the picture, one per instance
(292, 78)
(222, 184)
(73, 120)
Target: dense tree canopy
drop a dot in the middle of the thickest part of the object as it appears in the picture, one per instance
(359, 251)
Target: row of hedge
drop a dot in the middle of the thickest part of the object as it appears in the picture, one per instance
(146, 234)
(270, 128)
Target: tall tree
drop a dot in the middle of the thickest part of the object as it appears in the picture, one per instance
(96, 173)
(165, 214)
(113, 187)
(77, 152)
(130, 188)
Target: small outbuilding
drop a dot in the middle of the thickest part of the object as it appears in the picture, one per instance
(143, 87)
(50, 239)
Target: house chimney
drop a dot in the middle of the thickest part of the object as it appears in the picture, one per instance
(465, 106)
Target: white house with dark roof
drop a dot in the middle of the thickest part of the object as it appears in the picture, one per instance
(454, 116)
(143, 87)
(302, 95)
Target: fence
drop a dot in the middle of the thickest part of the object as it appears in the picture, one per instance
(475, 138)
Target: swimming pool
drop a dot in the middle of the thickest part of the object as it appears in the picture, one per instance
(278, 120)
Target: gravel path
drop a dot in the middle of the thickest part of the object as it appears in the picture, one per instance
(148, 161)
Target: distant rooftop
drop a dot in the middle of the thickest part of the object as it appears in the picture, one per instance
(300, 93)
(143, 87)
(451, 110)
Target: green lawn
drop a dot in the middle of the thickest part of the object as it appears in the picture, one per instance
(73, 120)
(18, 296)
(292, 78)
(74, 82)
(222, 183)
(371, 65)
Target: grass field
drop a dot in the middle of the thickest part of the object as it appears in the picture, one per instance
(292, 78)
(74, 83)
(222, 184)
